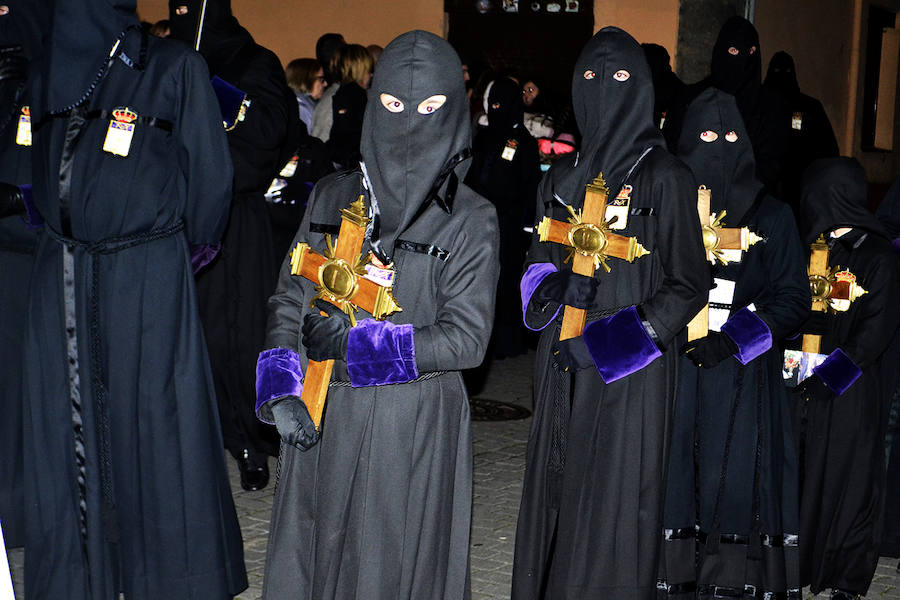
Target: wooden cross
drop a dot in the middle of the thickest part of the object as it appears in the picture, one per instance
(590, 243)
(717, 239)
(339, 276)
(833, 289)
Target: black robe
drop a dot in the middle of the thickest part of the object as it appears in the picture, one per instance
(347, 105)
(841, 440)
(506, 170)
(234, 288)
(124, 470)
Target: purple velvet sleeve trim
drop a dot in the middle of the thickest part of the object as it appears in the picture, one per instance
(620, 345)
(381, 353)
(749, 332)
(896, 244)
(278, 374)
(32, 217)
(532, 278)
(203, 254)
(838, 371)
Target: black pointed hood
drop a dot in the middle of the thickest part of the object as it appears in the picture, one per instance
(782, 75)
(715, 144)
(25, 24)
(889, 210)
(222, 36)
(738, 74)
(408, 155)
(82, 34)
(506, 94)
(612, 97)
(835, 195)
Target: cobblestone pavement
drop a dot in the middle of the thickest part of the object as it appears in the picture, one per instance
(499, 448)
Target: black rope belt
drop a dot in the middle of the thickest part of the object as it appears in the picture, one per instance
(423, 377)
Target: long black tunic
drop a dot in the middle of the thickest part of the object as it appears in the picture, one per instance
(123, 461)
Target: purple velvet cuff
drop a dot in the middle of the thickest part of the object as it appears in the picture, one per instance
(620, 345)
(381, 353)
(32, 217)
(278, 374)
(749, 332)
(896, 244)
(838, 372)
(202, 255)
(532, 278)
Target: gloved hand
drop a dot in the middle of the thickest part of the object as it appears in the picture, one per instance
(13, 64)
(710, 350)
(11, 200)
(294, 423)
(569, 288)
(571, 355)
(813, 389)
(325, 338)
(816, 323)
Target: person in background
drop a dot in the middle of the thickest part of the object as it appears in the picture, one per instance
(348, 105)
(538, 117)
(806, 125)
(328, 47)
(666, 84)
(375, 50)
(307, 78)
(161, 29)
(839, 413)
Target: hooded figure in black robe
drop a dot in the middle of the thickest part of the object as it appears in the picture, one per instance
(590, 517)
(731, 518)
(889, 214)
(21, 33)
(736, 68)
(124, 471)
(380, 507)
(506, 170)
(666, 84)
(233, 289)
(839, 412)
(809, 130)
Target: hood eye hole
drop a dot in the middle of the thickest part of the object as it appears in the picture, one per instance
(391, 103)
(181, 10)
(4, 10)
(709, 136)
(589, 74)
(495, 105)
(731, 136)
(752, 49)
(733, 51)
(621, 75)
(431, 104)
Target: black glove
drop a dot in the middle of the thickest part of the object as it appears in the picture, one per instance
(709, 351)
(816, 323)
(813, 389)
(294, 423)
(571, 355)
(569, 288)
(11, 200)
(13, 64)
(325, 338)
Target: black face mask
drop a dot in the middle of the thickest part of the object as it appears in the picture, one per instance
(222, 37)
(505, 107)
(782, 76)
(184, 15)
(612, 96)
(714, 143)
(410, 143)
(82, 35)
(736, 65)
(834, 195)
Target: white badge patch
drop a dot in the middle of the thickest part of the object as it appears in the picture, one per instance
(797, 121)
(619, 208)
(23, 132)
(382, 276)
(723, 295)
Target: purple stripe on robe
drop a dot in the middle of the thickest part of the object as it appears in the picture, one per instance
(620, 345)
(278, 374)
(532, 278)
(202, 255)
(749, 332)
(32, 217)
(838, 372)
(381, 353)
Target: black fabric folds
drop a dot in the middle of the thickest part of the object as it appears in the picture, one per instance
(405, 152)
(716, 146)
(221, 39)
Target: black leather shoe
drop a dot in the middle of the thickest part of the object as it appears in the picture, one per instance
(254, 470)
(838, 594)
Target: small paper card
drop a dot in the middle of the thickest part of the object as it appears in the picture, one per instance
(799, 365)
(23, 132)
(618, 208)
(797, 121)
(382, 276)
(720, 299)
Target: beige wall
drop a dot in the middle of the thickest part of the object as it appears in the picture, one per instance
(828, 52)
(648, 21)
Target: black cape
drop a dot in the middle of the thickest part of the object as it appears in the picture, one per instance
(381, 506)
(589, 527)
(840, 441)
(124, 470)
(506, 170)
(732, 465)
